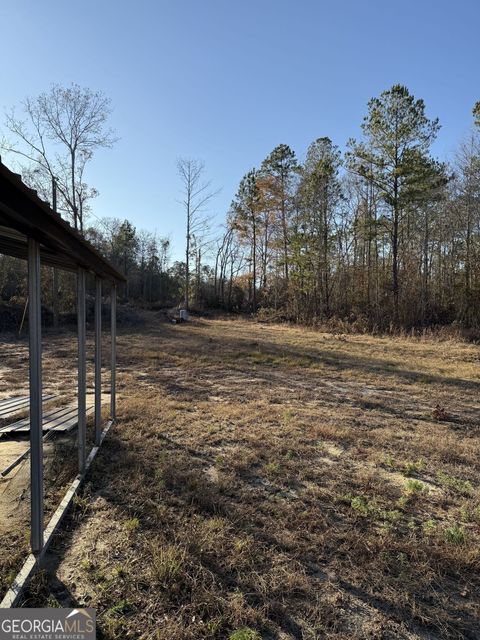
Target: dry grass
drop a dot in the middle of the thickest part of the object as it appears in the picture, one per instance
(60, 454)
(274, 482)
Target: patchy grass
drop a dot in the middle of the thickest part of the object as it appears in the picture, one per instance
(276, 482)
(60, 454)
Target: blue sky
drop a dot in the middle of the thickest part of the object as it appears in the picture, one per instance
(226, 81)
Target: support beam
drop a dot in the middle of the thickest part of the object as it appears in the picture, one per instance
(98, 360)
(35, 377)
(55, 270)
(55, 297)
(82, 371)
(113, 332)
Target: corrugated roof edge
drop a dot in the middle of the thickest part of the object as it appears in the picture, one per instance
(64, 226)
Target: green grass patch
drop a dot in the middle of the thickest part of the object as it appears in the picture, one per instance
(453, 484)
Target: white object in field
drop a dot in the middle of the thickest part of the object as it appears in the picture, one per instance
(183, 315)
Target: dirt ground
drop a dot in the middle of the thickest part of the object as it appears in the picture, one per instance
(60, 456)
(274, 482)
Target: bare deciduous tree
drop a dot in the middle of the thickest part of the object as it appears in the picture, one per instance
(57, 134)
(196, 195)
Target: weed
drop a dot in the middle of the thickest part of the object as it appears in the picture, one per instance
(455, 534)
(120, 609)
(391, 515)
(242, 544)
(273, 468)
(215, 524)
(245, 634)
(52, 602)
(453, 484)
(429, 527)
(415, 487)
(412, 468)
(470, 513)
(403, 501)
(389, 461)
(411, 524)
(132, 524)
(363, 506)
(120, 572)
(81, 505)
(167, 562)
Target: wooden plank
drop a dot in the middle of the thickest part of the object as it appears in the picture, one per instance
(12, 405)
(57, 421)
(52, 419)
(67, 424)
(9, 401)
(15, 402)
(48, 414)
(25, 422)
(64, 425)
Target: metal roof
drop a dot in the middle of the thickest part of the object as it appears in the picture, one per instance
(24, 215)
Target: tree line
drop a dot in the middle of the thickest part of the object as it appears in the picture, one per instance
(384, 234)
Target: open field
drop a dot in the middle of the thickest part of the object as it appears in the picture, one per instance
(290, 482)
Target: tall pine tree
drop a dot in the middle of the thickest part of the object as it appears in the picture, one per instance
(394, 157)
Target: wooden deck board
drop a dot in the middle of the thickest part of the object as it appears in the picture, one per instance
(58, 419)
(10, 406)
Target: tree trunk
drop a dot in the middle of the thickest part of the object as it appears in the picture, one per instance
(187, 256)
(254, 263)
(395, 252)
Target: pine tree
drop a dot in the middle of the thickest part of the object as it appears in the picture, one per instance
(281, 165)
(394, 157)
(319, 195)
(245, 209)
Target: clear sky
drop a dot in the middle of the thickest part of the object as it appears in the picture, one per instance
(225, 81)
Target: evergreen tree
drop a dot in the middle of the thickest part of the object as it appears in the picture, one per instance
(476, 113)
(281, 165)
(245, 209)
(394, 157)
(319, 195)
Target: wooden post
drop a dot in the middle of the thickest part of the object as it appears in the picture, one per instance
(82, 371)
(35, 378)
(98, 360)
(113, 332)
